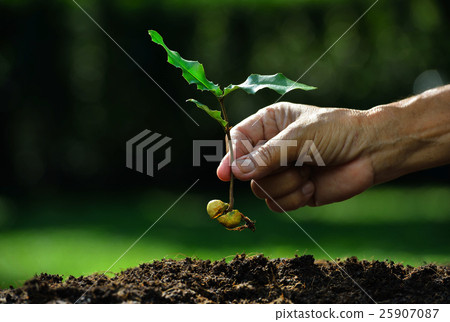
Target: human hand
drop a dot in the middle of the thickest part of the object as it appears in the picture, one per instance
(339, 137)
(359, 148)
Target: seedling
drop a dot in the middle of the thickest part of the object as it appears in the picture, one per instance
(194, 73)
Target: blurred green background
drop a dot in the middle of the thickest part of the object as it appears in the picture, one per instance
(70, 99)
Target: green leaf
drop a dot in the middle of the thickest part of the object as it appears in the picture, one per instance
(217, 115)
(278, 82)
(193, 71)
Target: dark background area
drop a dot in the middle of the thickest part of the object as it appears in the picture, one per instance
(70, 98)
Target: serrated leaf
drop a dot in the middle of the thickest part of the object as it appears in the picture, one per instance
(217, 115)
(278, 82)
(193, 71)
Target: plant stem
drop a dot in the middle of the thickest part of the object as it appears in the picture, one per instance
(230, 145)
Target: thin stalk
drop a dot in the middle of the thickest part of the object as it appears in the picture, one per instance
(230, 145)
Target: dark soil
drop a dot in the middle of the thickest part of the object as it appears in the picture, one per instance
(245, 280)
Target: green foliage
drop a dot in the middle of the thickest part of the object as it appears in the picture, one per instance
(213, 113)
(193, 71)
(65, 236)
(278, 82)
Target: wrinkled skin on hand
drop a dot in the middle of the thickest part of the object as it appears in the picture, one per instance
(339, 135)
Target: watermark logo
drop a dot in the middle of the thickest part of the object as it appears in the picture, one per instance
(140, 152)
(197, 151)
(304, 156)
(308, 153)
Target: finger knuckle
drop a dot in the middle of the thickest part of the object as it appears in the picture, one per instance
(271, 109)
(293, 177)
(264, 154)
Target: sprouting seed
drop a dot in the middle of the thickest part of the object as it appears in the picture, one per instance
(231, 220)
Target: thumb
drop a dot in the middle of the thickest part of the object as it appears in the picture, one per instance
(278, 152)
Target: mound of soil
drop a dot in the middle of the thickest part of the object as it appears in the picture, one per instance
(245, 280)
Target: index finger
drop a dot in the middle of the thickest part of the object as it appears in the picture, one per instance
(246, 136)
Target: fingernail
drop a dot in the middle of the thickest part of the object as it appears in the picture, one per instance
(245, 165)
(308, 188)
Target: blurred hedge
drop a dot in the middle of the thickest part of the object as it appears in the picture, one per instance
(70, 98)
